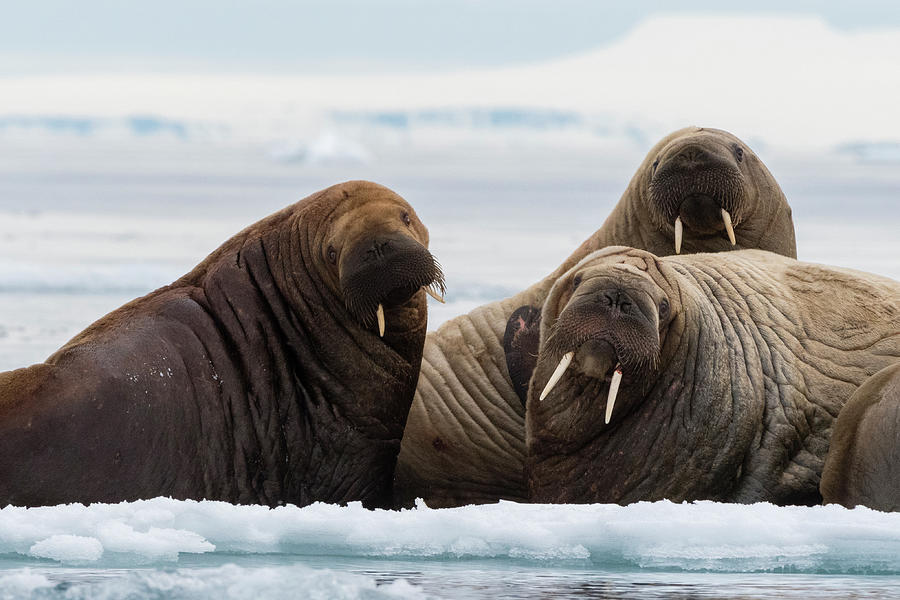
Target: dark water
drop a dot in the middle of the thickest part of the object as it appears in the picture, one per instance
(460, 580)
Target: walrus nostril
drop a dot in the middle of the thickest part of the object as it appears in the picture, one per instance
(693, 156)
(378, 250)
(615, 300)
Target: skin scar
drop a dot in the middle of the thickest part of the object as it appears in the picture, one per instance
(629, 267)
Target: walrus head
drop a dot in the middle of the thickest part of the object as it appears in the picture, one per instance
(606, 322)
(376, 251)
(704, 185)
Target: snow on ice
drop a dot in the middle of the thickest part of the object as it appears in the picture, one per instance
(703, 536)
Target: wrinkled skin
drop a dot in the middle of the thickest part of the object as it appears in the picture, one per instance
(734, 369)
(258, 377)
(465, 439)
(863, 463)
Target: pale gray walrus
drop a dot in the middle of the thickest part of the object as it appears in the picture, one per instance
(863, 463)
(714, 377)
(279, 370)
(465, 438)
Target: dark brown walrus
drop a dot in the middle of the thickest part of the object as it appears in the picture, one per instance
(258, 377)
(465, 438)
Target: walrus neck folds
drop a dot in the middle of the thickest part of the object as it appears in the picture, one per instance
(340, 334)
(320, 368)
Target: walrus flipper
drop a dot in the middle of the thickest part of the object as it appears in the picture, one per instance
(520, 345)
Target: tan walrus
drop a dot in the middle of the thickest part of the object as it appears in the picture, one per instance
(279, 370)
(863, 463)
(698, 190)
(700, 377)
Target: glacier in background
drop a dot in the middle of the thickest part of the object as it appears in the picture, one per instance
(801, 86)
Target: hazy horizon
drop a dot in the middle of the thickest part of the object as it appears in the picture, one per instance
(349, 36)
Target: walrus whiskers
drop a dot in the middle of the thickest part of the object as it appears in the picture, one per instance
(430, 291)
(726, 217)
(558, 373)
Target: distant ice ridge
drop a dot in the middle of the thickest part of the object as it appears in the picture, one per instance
(131, 125)
(59, 252)
(137, 278)
(228, 581)
(703, 536)
(873, 152)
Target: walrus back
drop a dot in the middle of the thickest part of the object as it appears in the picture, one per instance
(861, 468)
(77, 429)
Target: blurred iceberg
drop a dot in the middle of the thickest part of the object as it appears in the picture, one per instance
(329, 148)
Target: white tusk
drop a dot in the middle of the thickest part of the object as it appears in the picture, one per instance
(679, 231)
(613, 392)
(380, 315)
(434, 294)
(728, 227)
(558, 373)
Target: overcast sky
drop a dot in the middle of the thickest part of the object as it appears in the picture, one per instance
(55, 36)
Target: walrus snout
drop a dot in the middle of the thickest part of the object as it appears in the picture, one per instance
(386, 271)
(698, 187)
(610, 329)
(619, 318)
(693, 156)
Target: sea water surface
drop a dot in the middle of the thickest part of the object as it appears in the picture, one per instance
(77, 242)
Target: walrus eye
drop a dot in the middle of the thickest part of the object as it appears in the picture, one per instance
(655, 164)
(739, 153)
(576, 282)
(663, 309)
(332, 254)
(406, 219)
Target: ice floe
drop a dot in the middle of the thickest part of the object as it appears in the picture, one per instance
(703, 536)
